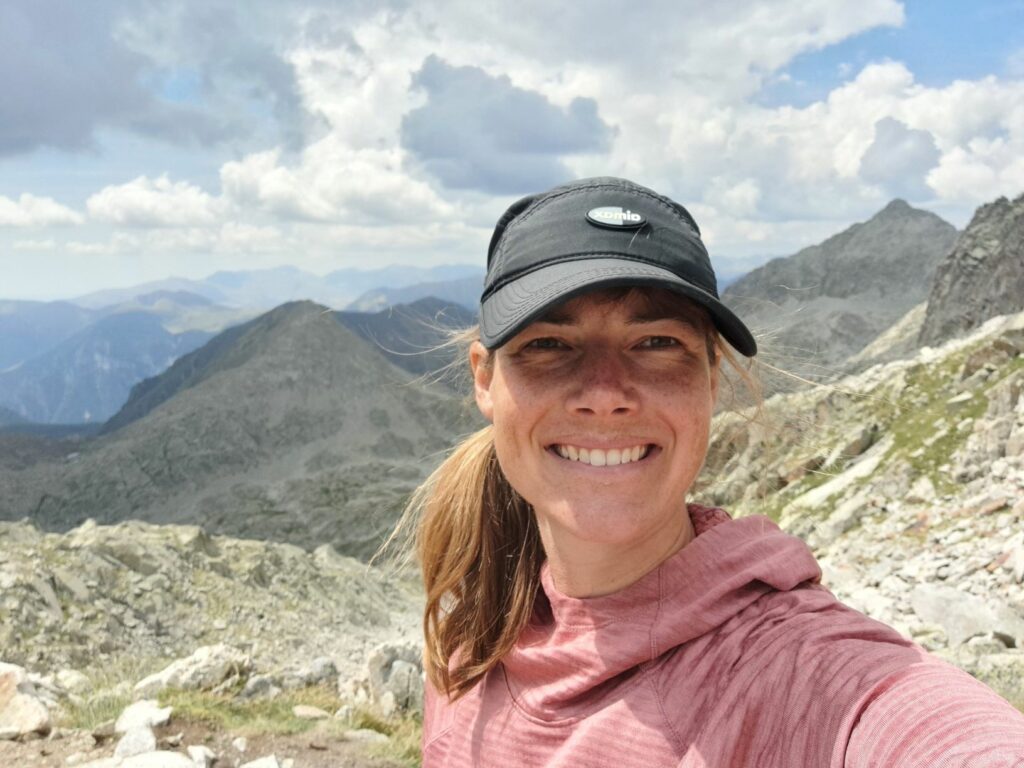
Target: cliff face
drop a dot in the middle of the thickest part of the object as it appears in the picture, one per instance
(982, 276)
(826, 302)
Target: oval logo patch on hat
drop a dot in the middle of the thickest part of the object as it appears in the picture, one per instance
(615, 217)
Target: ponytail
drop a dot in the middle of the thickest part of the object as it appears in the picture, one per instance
(480, 555)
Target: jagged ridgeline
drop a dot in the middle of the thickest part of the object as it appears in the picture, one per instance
(826, 302)
(292, 427)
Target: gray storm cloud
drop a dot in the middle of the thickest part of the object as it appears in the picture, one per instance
(484, 133)
(73, 69)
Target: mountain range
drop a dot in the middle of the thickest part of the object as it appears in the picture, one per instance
(263, 289)
(289, 427)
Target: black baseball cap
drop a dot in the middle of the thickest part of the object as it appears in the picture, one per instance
(596, 233)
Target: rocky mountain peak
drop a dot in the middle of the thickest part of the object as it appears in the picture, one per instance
(827, 301)
(982, 276)
(897, 207)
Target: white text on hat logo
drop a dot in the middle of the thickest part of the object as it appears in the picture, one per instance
(619, 215)
(615, 216)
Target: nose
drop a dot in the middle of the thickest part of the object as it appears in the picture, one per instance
(604, 386)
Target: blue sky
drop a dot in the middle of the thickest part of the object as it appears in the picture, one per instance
(143, 141)
(940, 41)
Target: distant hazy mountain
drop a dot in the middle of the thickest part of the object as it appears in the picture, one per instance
(465, 291)
(983, 276)
(87, 377)
(106, 298)
(826, 302)
(409, 335)
(267, 288)
(182, 298)
(291, 427)
(29, 327)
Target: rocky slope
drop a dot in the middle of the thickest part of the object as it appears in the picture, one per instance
(295, 430)
(98, 595)
(411, 335)
(826, 302)
(983, 276)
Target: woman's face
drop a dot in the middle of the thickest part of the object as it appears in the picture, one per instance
(601, 412)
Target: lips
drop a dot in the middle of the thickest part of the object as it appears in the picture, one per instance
(601, 457)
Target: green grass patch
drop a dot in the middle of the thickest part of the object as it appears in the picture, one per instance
(247, 718)
(106, 702)
(251, 718)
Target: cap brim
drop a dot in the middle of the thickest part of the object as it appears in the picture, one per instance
(514, 306)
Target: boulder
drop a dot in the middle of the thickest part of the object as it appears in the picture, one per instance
(142, 714)
(21, 711)
(396, 670)
(963, 615)
(202, 755)
(158, 760)
(208, 667)
(136, 741)
(270, 761)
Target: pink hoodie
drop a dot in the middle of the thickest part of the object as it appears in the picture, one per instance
(728, 654)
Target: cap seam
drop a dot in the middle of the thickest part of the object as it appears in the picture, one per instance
(580, 256)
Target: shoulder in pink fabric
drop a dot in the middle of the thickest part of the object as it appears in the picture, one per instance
(730, 653)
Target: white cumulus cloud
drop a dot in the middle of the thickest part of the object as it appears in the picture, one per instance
(32, 211)
(160, 202)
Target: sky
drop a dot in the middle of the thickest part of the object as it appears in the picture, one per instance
(141, 140)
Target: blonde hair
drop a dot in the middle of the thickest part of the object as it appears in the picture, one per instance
(479, 548)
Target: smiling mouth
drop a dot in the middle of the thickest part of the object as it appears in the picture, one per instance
(598, 457)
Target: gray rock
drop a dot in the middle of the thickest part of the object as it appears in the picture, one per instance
(202, 755)
(963, 615)
(260, 687)
(158, 760)
(397, 670)
(142, 714)
(270, 761)
(982, 276)
(208, 667)
(22, 713)
(136, 741)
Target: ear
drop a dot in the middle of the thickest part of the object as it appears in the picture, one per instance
(483, 371)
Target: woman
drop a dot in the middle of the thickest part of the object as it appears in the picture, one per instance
(579, 611)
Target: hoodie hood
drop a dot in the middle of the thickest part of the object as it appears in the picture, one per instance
(580, 645)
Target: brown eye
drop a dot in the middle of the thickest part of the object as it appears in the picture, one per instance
(546, 342)
(659, 341)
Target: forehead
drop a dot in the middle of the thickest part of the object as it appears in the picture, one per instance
(634, 304)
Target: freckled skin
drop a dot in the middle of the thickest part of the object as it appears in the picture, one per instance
(596, 379)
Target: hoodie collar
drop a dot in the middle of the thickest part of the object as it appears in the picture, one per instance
(574, 645)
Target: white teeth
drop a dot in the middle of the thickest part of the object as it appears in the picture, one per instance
(598, 457)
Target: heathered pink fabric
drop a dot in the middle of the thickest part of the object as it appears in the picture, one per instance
(729, 654)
